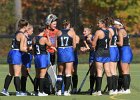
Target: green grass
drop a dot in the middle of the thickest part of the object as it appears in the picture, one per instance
(82, 69)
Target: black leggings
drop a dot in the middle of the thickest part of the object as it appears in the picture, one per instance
(52, 58)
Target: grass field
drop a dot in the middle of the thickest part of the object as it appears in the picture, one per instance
(82, 69)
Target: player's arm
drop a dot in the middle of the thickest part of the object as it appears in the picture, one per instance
(96, 36)
(47, 41)
(74, 38)
(87, 47)
(120, 38)
(111, 33)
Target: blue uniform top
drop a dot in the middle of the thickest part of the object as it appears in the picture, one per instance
(38, 48)
(64, 40)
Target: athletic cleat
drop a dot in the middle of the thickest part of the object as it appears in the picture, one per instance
(18, 93)
(5, 92)
(110, 92)
(97, 93)
(67, 93)
(59, 93)
(120, 91)
(127, 91)
(42, 94)
(115, 92)
(23, 93)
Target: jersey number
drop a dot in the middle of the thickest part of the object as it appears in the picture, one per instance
(64, 41)
(37, 49)
(115, 40)
(106, 44)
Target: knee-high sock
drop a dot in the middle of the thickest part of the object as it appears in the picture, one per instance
(98, 83)
(75, 81)
(36, 84)
(92, 81)
(41, 86)
(17, 83)
(7, 82)
(109, 83)
(67, 82)
(59, 82)
(23, 83)
(125, 81)
(120, 82)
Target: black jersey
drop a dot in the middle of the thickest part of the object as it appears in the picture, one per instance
(15, 42)
(126, 40)
(38, 48)
(114, 37)
(29, 43)
(102, 48)
(64, 40)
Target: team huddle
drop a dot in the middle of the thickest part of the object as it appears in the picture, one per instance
(108, 48)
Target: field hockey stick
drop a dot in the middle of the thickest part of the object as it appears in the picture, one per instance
(30, 77)
(79, 90)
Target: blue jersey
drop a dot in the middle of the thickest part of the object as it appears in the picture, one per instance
(65, 51)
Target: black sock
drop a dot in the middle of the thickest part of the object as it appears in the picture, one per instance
(116, 82)
(75, 81)
(120, 82)
(109, 83)
(129, 80)
(125, 81)
(67, 82)
(92, 81)
(41, 82)
(98, 83)
(17, 83)
(7, 81)
(23, 83)
(36, 84)
(59, 82)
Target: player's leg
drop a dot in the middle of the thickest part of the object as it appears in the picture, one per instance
(99, 68)
(74, 77)
(68, 76)
(42, 72)
(60, 78)
(8, 80)
(126, 77)
(109, 77)
(17, 81)
(92, 76)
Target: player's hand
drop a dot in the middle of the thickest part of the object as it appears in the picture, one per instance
(53, 48)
